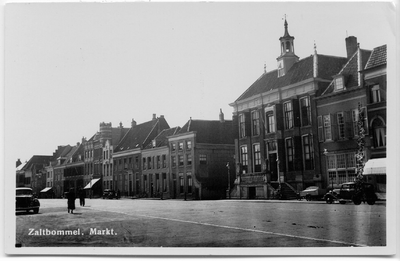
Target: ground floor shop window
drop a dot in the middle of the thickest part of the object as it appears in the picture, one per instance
(181, 183)
(341, 168)
(189, 182)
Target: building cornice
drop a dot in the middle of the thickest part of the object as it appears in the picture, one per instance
(126, 153)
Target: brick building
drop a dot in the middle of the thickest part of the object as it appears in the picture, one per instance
(337, 118)
(275, 122)
(127, 156)
(199, 153)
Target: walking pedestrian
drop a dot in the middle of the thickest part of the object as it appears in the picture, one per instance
(82, 197)
(71, 200)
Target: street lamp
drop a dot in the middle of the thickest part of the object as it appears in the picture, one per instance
(229, 180)
(326, 160)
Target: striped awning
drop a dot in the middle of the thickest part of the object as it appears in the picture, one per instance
(91, 183)
(45, 189)
(375, 167)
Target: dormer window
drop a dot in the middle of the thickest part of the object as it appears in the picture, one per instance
(339, 83)
(281, 70)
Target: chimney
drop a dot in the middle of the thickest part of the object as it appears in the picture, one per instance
(133, 123)
(162, 116)
(120, 124)
(154, 116)
(351, 45)
(221, 116)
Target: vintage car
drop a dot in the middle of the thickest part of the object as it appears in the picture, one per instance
(352, 192)
(26, 200)
(109, 193)
(312, 192)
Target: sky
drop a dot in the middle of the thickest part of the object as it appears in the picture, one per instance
(71, 66)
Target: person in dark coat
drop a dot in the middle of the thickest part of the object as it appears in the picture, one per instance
(71, 200)
(82, 197)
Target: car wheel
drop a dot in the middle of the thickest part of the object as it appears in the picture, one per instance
(329, 200)
(36, 210)
(357, 201)
(371, 202)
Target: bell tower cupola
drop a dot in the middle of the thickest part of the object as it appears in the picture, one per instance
(287, 57)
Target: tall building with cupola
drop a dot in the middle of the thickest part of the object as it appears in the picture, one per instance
(276, 124)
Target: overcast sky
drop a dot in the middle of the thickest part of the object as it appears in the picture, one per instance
(69, 67)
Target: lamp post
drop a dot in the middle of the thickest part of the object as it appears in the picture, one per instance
(229, 180)
(326, 160)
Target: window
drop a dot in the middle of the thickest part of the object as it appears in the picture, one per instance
(149, 162)
(189, 182)
(305, 110)
(341, 125)
(180, 146)
(173, 146)
(242, 126)
(244, 158)
(256, 123)
(189, 159)
(271, 146)
(164, 177)
(203, 159)
(188, 145)
(173, 161)
(327, 127)
(257, 158)
(341, 168)
(180, 158)
(130, 163)
(164, 161)
(136, 162)
(308, 151)
(338, 83)
(379, 133)
(289, 154)
(375, 94)
(157, 182)
(158, 162)
(270, 122)
(181, 183)
(288, 111)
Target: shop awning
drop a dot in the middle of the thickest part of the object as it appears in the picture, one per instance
(375, 167)
(91, 183)
(45, 189)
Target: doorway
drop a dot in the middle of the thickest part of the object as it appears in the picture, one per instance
(252, 192)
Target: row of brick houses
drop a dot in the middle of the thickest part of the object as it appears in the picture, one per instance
(146, 160)
(294, 127)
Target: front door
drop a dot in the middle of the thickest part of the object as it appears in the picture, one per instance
(273, 166)
(252, 192)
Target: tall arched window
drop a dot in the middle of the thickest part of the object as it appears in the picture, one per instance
(379, 133)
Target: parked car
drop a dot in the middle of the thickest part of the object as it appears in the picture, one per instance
(313, 192)
(352, 192)
(26, 200)
(109, 194)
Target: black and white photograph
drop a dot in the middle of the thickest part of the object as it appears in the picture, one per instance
(201, 128)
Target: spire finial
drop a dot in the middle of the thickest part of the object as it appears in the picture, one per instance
(265, 67)
(315, 47)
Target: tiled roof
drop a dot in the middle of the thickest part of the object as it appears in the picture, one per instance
(140, 135)
(213, 132)
(328, 66)
(37, 160)
(350, 71)
(162, 139)
(377, 58)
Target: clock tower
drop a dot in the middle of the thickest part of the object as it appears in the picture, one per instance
(287, 57)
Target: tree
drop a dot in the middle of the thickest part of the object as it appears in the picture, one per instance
(360, 144)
